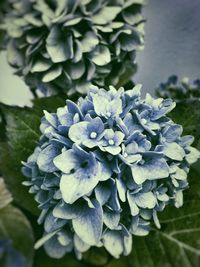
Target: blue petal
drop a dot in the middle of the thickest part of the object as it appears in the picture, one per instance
(62, 116)
(54, 249)
(172, 132)
(141, 140)
(193, 155)
(134, 224)
(64, 237)
(67, 211)
(44, 239)
(67, 161)
(103, 192)
(104, 171)
(142, 228)
(151, 170)
(79, 132)
(179, 199)
(73, 108)
(174, 151)
(59, 139)
(59, 48)
(145, 200)
(111, 149)
(80, 245)
(127, 245)
(113, 202)
(131, 122)
(96, 125)
(118, 138)
(155, 218)
(186, 140)
(73, 186)
(121, 187)
(111, 219)
(106, 108)
(51, 118)
(132, 204)
(51, 223)
(179, 174)
(89, 226)
(113, 243)
(46, 157)
(165, 107)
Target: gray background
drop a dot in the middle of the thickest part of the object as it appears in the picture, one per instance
(172, 46)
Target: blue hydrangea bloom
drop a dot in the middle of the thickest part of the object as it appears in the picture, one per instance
(68, 45)
(180, 90)
(104, 168)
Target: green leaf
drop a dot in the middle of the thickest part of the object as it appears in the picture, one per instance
(5, 196)
(41, 259)
(187, 114)
(48, 103)
(1, 39)
(125, 77)
(22, 126)
(96, 256)
(19, 134)
(15, 227)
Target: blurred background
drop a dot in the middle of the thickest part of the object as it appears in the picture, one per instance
(172, 46)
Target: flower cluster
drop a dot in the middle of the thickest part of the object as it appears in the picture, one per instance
(69, 45)
(104, 168)
(180, 91)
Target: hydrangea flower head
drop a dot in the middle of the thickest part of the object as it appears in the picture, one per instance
(179, 91)
(104, 168)
(69, 45)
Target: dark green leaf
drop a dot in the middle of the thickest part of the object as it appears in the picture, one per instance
(125, 77)
(188, 115)
(1, 39)
(41, 260)
(19, 134)
(48, 103)
(97, 256)
(5, 196)
(15, 227)
(22, 131)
